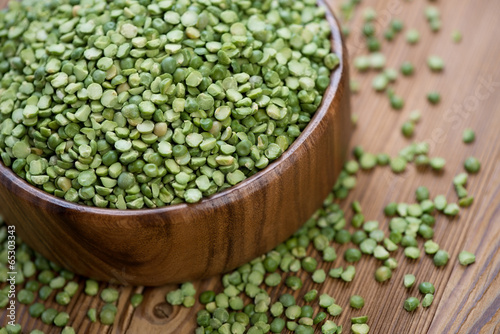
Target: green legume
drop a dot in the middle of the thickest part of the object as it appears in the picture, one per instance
(92, 314)
(460, 179)
(318, 276)
(207, 297)
(91, 287)
(356, 302)
(63, 298)
(367, 246)
(329, 327)
(320, 317)
(465, 258)
(426, 287)
(377, 60)
(342, 237)
(277, 325)
(48, 316)
(431, 247)
(441, 258)
(440, 202)
(273, 279)
(293, 282)
(362, 63)
(348, 274)
(57, 283)
(398, 164)
(433, 97)
(451, 209)
(409, 280)
(456, 36)
(326, 300)
(435, 63)
(36, 310)
(68, 330)
(174, 297)
(360, 328)
(383, 159)
(334, 310)
(13, 329)
(44, 292)
(136, 300)
(425, 231)
(293, 312)
(336, 272)
(427, 300)
(329, 254)
(422, 193)
(380, 82)
(107, 316)
(359, 320)
(407, 68)
(25, 296)
(287, 300)
(368, 161)
(380, 253)
(408, 128)
(61, 319)
(109, 295)
(411, 304)
(383, 273)
(472, 165)
(276, 309)
(412, 36)
(412, 252)
(352, 255)
(437, 163)
(311, 295)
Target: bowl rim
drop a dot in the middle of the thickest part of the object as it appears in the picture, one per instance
(38, 194)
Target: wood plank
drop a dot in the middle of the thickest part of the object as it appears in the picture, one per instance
(467, 299)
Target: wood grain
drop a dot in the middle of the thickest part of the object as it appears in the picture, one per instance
(467, 299)
(185, 242)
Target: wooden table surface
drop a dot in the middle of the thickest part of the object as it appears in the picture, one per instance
(467, 299)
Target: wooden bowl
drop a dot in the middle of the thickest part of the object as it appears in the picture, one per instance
(191, 241)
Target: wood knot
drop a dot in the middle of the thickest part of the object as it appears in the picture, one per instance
(163, 310)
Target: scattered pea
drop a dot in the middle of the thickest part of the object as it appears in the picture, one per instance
(411, 304)
(383, 273)
(412, 36)
(408, 128)
(456, 36)
(426, 287)
(465, 258)
(352, 255)
(433, 97)
(409, 280)
(468, 136)
(427, 300)
(360, 328)
(472, 165)
(359, 320)
(407, 68)
(441, 258)
(356, 302)
(437, 163)
(435, 63)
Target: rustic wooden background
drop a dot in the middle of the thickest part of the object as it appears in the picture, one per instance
(467, 299)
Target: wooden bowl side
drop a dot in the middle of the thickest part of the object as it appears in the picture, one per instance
(185, 242)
